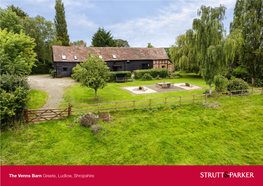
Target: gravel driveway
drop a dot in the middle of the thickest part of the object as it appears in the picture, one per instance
(54, 87)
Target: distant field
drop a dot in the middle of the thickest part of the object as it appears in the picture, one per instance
(188, 135)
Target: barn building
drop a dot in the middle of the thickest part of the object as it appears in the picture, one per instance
(118, 58)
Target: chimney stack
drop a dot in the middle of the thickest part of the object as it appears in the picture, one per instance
(81, 42)
(71, 44)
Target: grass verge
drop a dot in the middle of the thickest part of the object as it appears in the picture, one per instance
(37, 99)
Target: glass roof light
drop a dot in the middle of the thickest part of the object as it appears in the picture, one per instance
(64, 57)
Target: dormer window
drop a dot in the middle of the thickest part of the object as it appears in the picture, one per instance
(64, 57)
(75, 58)
(114, 56)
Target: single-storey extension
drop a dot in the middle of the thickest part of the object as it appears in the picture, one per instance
(117, 58)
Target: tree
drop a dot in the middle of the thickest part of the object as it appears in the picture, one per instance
(61, 24)
(102, 38)
(78, 43)
(150, 45)
(248, 25)
(122, 43)
(20, 13)
(16, 55)
(184, 55)
(44, 33)
(10, 21)
(93, 73)
(206, 40)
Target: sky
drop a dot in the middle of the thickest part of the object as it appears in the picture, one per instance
(139, 22)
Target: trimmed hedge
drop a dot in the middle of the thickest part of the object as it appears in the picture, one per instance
(161, 72)
(112, 77)
(147, 77)
(42, 68)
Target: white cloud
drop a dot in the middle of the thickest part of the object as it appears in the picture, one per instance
(162, 29)
(80, 20)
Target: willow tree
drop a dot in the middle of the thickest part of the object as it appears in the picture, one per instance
(206, 38)
(248, 24)
(184, 55)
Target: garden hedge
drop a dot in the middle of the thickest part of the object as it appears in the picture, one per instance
(161, 72)
(112, 77)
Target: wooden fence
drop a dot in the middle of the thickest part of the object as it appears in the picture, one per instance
(164, 101)
(40, 115)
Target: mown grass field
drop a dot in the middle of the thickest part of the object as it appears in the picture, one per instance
(79, 95)
(188, 135)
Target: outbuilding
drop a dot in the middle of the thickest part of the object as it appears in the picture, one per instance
(118, 58)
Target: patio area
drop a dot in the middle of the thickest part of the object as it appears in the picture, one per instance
(150, 89)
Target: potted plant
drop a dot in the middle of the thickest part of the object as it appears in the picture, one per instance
(140, 88)
(187, 84)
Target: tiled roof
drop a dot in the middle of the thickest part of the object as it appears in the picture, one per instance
(121, 53)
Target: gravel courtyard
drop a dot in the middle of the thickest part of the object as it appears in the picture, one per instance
(54, 87)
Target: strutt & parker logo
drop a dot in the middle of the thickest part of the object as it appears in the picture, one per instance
(226, 174)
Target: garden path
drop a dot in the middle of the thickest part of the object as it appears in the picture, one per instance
(54, 87)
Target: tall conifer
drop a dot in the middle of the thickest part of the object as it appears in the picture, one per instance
(61, 24)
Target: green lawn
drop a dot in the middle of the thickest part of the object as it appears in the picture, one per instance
(78, 95)
(37, 99)
(188, 135)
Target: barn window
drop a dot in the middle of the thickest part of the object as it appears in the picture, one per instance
(163, 66)
(145, 65)
(64, 57)
(114, 56)
(75, 57)
(64, 68)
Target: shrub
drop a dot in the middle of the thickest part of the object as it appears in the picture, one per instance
(158, 77)
(240, 72)
(161, 72)
(14, 96)
(129, 80)
(11, 103)
(146, 77)
(206, 91)
(220, 83)
(52, 72)
(10, 83)
(258, 82)
(237, 84)
(112, 77)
